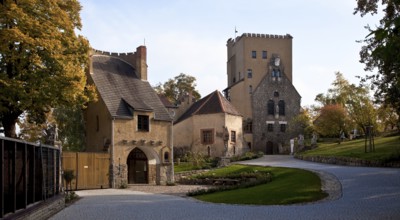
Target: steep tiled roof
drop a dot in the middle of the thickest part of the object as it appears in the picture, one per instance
(122, 90)
(211, 104)
(166, 102)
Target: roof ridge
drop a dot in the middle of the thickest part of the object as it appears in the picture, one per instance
(220, 101)
(202, 105)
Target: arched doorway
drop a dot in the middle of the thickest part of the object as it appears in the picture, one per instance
(137, 167)
(269, 148)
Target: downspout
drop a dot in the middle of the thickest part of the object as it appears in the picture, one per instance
(172, 153)
(112, 153)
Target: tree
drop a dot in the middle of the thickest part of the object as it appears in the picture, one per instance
(382, 51)
(355, 99)
(303, 123)
(332, 121)
(174, 89)
(42, 60)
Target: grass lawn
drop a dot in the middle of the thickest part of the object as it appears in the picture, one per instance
(386, 149)
(288, 186)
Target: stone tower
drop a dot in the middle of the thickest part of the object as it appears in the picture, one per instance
(259, 73)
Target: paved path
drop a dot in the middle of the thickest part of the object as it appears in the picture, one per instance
(368, 193)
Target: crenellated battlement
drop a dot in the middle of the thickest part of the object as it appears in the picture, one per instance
(272, 36)
(101, 52)
(137, 60)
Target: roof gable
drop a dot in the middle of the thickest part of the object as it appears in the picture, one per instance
(211, 104)
(121, 89)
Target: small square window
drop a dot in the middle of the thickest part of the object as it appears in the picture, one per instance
(270, 127)
(207, 136)
(264, 54)
(253, 54)
(283, 127)
(249, 73)
(143, 123)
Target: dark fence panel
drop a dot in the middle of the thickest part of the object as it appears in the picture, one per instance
(29, 173)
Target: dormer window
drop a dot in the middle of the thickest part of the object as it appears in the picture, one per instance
(143, 123)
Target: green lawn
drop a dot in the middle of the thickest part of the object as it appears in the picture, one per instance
(386, 149)
(288, 186)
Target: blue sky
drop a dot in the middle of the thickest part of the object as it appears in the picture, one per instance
(190, 37)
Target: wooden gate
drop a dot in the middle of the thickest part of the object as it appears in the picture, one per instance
(90, 169)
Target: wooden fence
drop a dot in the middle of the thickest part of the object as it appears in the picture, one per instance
(30, 174)
(91, 170)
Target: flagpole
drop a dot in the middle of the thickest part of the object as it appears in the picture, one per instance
(235, 32)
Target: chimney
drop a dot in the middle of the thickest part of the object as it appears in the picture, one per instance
(141, 63)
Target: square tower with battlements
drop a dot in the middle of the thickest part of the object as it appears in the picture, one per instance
(260, 86)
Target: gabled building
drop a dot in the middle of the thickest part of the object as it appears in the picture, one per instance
(211, 127)
(259, 73)
(128, 120)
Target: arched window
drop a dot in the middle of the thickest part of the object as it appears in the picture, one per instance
(271, 108)
(166, 157)
(281, 105)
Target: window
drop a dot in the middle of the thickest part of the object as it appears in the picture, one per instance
(276, 73)
(281, 105)
(271, 108)
(264, 54)
(249, 73)
(283, 127)
(248, 128)
(166, 157)
(253, 54)
(143, 123)
(250, 89)
(276, 94)
(233, 136)
(207, 136)
(270, 127)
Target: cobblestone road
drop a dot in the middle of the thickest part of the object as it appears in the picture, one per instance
(367, 193)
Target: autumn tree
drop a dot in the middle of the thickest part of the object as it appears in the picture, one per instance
(42, 60)
(332, 121)
(353, 98)
(174, 89)
(382, 50)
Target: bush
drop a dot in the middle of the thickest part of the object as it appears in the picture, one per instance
(260, 178)
(69, 197)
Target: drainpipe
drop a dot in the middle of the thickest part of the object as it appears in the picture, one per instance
(112, 153)
(172, 153)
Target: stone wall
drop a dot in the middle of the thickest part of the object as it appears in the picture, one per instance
(348, 161)
(275, 90)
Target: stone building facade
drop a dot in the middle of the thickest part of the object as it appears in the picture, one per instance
(259, 73)
(128, 120)
(210, 127)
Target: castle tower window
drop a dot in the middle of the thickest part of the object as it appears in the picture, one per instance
(250, 89)
(248, 128)
(264, 54)
(270, 127)
(281, 105)
(283, 127)
(254, 54)
(271, 107)
(249, 73)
